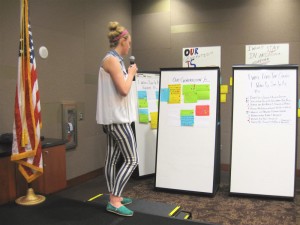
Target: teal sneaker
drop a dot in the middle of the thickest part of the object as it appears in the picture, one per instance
(122, 210)
(126, 201)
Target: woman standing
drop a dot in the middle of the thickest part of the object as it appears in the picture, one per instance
(116, 111)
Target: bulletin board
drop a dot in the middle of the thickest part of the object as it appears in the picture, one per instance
(188, 146)
(147, 87)
(264, 130)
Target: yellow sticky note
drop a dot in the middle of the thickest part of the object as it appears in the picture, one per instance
(175, 93)
(298, 112)
(230, 81)
(224, 89)
(223, 98)
(154, 116)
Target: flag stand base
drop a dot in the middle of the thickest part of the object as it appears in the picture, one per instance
(31, 198)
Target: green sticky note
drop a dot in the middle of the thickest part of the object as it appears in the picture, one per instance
(202, 87)
(186, 112)
(203, 95)
(143, 103)
(144, 118)
(190, 97)
(187, 88)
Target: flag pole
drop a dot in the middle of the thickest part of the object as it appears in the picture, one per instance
(30, 198)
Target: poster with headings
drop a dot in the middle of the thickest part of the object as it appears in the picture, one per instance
(188, 130)
(201, 56)
(147, 88)
(267, 54)
(264, 130)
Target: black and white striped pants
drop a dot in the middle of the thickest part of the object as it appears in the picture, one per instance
(120, 140)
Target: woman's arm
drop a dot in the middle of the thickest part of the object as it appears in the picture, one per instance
(112, 66)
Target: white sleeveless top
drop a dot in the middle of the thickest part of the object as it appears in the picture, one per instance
(113, 108)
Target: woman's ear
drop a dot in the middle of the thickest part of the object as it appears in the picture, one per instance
(122, 41)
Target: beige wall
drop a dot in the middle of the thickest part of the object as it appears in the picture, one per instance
(75, 33)
(161, 28)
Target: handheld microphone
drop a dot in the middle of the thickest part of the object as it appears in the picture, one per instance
(132, 60)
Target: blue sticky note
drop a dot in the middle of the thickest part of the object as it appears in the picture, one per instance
(143, 111)
(142, 94)
(164, 94)
(187, 121)
(299, 103)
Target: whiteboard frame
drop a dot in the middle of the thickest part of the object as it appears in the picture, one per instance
(145, 139)
(199, 173)
(262, 178)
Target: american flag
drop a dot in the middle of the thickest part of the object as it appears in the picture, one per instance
(26, 146)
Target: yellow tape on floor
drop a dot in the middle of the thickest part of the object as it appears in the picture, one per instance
(174, 210)
(93, 198)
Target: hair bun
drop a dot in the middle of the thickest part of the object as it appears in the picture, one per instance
(112, 26)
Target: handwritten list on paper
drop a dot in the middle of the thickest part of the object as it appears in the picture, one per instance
(268, 109)
(267, 54)
(268, 100)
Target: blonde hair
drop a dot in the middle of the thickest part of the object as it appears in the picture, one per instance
(116, 32)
